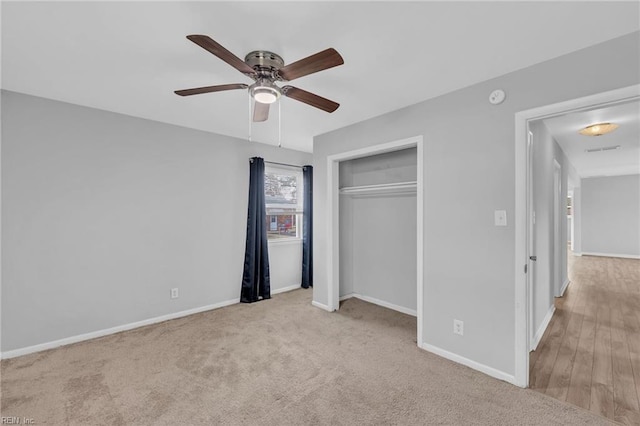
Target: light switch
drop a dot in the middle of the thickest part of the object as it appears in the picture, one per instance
(500, 217)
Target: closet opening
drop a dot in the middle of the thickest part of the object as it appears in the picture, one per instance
(375, 211)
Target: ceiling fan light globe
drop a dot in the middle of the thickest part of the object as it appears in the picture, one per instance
(265, 93)
(265, 97)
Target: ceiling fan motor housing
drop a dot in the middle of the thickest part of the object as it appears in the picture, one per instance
(265, 63)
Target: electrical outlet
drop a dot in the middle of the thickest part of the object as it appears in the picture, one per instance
(458, 327)
(174, 293)
(500, 217)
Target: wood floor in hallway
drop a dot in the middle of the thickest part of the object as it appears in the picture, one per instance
(590, 353)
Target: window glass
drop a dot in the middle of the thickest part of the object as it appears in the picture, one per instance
(283, 198)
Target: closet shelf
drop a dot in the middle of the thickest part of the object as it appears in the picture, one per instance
(384, 188)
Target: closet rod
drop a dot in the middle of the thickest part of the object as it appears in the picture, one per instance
(400, 187)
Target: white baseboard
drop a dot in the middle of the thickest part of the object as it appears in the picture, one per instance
(285, 289)
(107, 331)
(347, 296)
(565, 284)
(489, 371)
(101, 333)
(543, 327)
(623, 256)
(577, 253)
(321, 306)
(382, 303)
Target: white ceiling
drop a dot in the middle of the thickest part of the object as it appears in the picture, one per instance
(622, 161)
(129, 57)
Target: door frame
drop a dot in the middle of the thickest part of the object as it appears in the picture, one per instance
(531, 224)
(333, 228)
(522, 191)
(573, 209)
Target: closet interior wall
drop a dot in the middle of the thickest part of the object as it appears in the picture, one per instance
(377, 214)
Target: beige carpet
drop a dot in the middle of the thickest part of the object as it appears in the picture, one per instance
(279, 361)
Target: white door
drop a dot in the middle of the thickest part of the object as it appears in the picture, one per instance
(531, 221)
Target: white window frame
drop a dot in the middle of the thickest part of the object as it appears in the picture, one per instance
(291, 171)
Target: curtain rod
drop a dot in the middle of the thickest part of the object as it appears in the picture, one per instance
(282, 164)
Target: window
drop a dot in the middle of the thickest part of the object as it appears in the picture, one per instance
(283, 198)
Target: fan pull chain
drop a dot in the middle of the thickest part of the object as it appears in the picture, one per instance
(250, 121)
(279, 124)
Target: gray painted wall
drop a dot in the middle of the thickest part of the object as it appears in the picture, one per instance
(390, 167)
(378, 232)
(577, 220)
(103, 213)
(384, 249)
(469, 172)
(346, 226)
(542, 269)
(545, 288)
(574, 186)
(569, 176)
(611, 215)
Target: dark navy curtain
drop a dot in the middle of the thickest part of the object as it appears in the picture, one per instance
(307, 228)
(255, 278)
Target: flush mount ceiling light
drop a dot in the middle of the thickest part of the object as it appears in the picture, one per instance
(598, 129)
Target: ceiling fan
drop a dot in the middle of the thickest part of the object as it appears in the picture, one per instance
(265, 68)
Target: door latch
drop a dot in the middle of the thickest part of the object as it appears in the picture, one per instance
(534, 258)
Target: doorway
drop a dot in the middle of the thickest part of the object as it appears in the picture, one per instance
(333, 219)
(523, 213)
(583, 352)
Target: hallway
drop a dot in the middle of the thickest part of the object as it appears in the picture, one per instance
(589, 355)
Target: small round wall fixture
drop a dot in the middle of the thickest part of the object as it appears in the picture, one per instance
(497, 97)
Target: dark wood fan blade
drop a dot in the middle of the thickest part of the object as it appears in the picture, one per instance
(320, 61)
(260, 111)
(212, 46)
(310, 99)
(209, 89)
